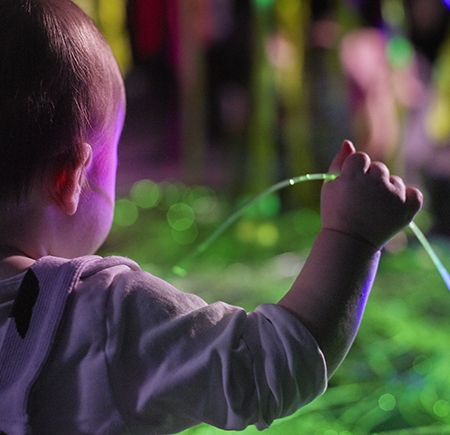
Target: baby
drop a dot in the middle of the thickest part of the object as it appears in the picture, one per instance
(95, 345)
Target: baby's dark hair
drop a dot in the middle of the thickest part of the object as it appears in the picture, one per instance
(59, 87)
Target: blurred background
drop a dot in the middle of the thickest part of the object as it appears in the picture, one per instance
(228, 97)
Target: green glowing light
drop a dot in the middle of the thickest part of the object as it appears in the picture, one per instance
(187, 236)
(387, 402)
(267, 234)
(267, 206)
(180, 216)
(399, 52)
(125, 213)
(145, 194)
(246, 231)
(264, 4)
(171, 193)
(177, 270)
(264, 234)
(270, 205)
(441, 408)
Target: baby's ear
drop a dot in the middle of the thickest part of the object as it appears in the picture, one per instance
(68, 183)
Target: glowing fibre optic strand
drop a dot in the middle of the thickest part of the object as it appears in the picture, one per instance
(180, 270)
(430, 251)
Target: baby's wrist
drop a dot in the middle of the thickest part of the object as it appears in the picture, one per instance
(353, 236)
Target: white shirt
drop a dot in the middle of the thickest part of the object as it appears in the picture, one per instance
(135, 354)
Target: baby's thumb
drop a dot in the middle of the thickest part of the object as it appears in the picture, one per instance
(346, 150)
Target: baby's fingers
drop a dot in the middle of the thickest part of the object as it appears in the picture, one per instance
(346, 150)
(411, 197)
(356, 165)
(413, 200)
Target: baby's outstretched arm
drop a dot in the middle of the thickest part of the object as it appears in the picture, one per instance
(360, 210)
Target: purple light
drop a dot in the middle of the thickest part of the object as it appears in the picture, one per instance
(446, 3)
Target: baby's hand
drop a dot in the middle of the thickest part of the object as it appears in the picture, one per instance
(365, 201)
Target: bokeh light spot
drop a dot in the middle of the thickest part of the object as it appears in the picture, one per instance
(399, 52)
(387, 402)
(145, 194)
(187, 236)
(180, 216)
(125, 213)
(422, 365)
(267, 234)
(200, 192)
(246, 231)
(264, 3)
(205, 205)
(171, 193)
(269, 205)
(441, 408)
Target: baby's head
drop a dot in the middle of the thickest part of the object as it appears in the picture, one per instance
(62, 106)
(60, 88)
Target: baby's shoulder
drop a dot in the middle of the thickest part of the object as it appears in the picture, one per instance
(121, 286)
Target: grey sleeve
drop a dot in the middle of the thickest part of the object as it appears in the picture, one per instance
(175, 361)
